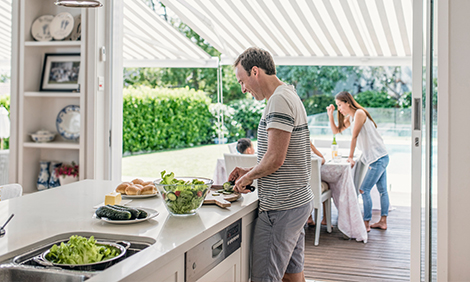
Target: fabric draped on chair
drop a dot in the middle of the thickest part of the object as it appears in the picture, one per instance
(232, 147)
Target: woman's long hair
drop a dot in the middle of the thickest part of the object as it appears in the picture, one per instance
(346, 97)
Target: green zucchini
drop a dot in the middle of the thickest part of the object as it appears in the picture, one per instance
(113, 214)
(143, 214)
(134, 212)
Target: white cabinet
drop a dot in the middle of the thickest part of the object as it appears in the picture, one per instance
(172, 271)
(38, 110)
(226, 271)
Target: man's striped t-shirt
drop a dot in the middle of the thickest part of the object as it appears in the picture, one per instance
(289, 186)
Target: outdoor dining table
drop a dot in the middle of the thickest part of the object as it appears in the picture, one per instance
(340, 177)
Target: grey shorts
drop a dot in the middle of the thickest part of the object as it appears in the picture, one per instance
(278, 243)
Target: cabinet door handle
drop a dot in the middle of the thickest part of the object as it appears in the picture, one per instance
(217, 248)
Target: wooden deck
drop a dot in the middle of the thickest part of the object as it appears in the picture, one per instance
(386, 256)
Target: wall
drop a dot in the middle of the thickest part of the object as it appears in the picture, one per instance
(453, 151)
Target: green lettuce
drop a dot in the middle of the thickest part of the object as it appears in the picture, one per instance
(80, 250)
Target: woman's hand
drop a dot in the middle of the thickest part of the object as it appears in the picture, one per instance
(330, 109)
(350, 160)
(323, 160)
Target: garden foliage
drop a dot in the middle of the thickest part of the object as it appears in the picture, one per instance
(161, 118)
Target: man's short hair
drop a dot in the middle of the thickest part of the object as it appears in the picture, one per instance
(254, 56)
(243, 144)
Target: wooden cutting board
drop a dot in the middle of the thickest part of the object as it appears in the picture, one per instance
(222, 200)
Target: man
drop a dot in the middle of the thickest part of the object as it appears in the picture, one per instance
(283, 171)
(245, 146)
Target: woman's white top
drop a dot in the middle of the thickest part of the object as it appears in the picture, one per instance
(369, 141)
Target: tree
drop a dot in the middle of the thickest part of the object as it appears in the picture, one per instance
(313, 80)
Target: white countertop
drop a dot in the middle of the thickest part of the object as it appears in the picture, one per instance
(70, 208)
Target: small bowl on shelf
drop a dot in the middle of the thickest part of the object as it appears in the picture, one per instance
(43, 136)
(184, 198)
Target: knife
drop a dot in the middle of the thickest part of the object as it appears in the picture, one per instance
(228, 186)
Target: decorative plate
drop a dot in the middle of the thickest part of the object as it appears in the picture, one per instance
(151, 214)
(40, 30)
(61, 26)
(77, 29)
(68, 122)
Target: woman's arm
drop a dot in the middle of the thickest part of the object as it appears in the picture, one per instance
(315, 150)
(330, 109)
(360, 119)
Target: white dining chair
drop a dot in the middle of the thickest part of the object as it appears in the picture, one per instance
(240, 160)
(9, 191)
(321, 195)
(232, 147)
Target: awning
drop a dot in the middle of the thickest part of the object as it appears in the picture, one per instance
(5, 32)
(305, 32)
(149, 41)
(296, 32)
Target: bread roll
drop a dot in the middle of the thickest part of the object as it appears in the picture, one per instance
(133, 190)
(149, 190)
(122, 187)
(137, 181)
(138, 186)
(147, 183)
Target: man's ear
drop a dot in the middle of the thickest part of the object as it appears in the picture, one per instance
(255, 70)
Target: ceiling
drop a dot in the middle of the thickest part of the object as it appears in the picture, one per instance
(305, 32)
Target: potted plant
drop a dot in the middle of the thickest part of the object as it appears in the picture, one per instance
(67, 173)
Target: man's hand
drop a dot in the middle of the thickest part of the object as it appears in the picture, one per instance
(241, 180)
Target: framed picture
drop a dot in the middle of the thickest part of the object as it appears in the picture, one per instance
(61, 72)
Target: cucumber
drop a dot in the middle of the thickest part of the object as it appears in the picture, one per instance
(228, 186)
(143, 214)
(134, 212)
(171, 196)
(113, 214)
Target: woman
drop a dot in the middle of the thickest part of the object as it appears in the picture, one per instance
(374, 154)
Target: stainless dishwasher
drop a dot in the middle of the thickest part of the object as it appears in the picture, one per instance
(208, 254)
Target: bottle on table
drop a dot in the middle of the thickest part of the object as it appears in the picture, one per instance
(334, 148)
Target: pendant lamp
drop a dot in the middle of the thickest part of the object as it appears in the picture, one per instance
(79, 3)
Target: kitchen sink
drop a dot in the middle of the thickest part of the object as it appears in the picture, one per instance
(10, 272)
(21, 265)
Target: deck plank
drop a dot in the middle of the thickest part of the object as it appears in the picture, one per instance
(385, 257)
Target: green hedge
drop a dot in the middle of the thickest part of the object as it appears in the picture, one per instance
(374, 99)
(318, 103)
(248, 113)
(161, 118)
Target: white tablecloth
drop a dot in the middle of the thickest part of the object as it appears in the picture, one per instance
(339, 176)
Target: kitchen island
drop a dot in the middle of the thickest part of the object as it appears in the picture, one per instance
(69, 208)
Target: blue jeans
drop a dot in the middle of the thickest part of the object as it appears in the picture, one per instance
(376, 175)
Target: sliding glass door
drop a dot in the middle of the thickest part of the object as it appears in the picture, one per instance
(424, 143)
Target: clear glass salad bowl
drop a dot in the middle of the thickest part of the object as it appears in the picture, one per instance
(184, 199)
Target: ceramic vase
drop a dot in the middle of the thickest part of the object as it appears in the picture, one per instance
(66, 179)
(53, 179)
(43, 177)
